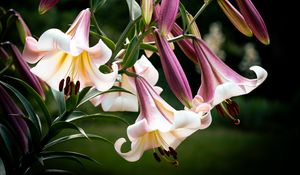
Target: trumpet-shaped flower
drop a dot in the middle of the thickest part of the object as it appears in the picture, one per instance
(157, 126)
(254, 20)
(67, 57)
(123, 101)
(218, 81)
(235, 17)
(174, 73)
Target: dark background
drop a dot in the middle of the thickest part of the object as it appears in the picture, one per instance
(265, 142)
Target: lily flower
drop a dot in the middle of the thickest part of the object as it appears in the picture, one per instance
(254, 20)
(158, 126)
(45, 5)
(66, 58)
(123, 101)
(173, 71)
(167, 15)
(218, 81)
(235, 17)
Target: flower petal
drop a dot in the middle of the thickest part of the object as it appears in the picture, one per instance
(101, 81)
(138, 129)
(144, 68)
(120, 101)
(99, 53)
(31, 53)
(134, 154)
(53, 69)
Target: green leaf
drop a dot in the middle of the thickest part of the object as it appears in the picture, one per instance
(105, 39)
(134, 9)
(71, 102)
(97, 115)
(96, 4)
(94, 93)
(56, 128)
(82, 93)
(60, 100)
(8, 64)
(29, 109)
(2, 168)
(122, 38)
(132, 53)
(70, 153)
(7, 143)
(73, 137)
(148, 47)
(57, 171)
(34, 136)
(36, 97)
(184, 17)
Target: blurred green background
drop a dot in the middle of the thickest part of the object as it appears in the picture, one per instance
(264, 143)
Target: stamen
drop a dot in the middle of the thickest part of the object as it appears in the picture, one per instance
(68, 80)
(161, 151)
(66, 89)
(77, 87)
(61, 85)
(175, 163)
(71, 87)
(232, 110)
(220, 110)
(156, 156)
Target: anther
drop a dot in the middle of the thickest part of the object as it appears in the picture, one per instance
(172, 151)
(220, 110)
(66, 89)
(161, 151)
(77, 87)
(167, 152)
(156, 156)
(68, 80)
(61, 85)
(71, 87)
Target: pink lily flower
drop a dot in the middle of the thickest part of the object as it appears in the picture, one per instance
(254, 20)
(174, 73)
(220, 82)
(167, 15)
(45, 5)
(66, 58)
(158, 126)
(123, 101)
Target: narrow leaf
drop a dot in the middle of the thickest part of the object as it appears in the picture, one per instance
(57, 171)
(2, 167)
(132, 53)
(105, 39)
(60, 100)
(45, 158)
(7, 142)
(97, 115)
(73, 137)
(92, 93)
(70, 153)
(96, 4)
(183, 16)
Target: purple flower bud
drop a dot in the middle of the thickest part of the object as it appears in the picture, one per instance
(167, 15)
(45, 5)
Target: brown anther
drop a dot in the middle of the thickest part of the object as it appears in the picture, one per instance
(71, 87)
(161, 151)
(220, 110)
(68, 80)
(156, 156)
(67, 89)
(172, 151)
(233, 108)
(77, 87)
(61, 85)
(167, 152)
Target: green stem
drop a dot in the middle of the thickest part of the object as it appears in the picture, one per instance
(96, 24)
(206, 3)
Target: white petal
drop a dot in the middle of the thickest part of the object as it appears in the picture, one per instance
(54, 39)
(101, 81)
(97, 100)
(206, 121)
(120, 101)
(31, 53)
(186, 119)
(134, 154)
(138, 129)
(53, 69)
(144, 68)
(100, 53)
